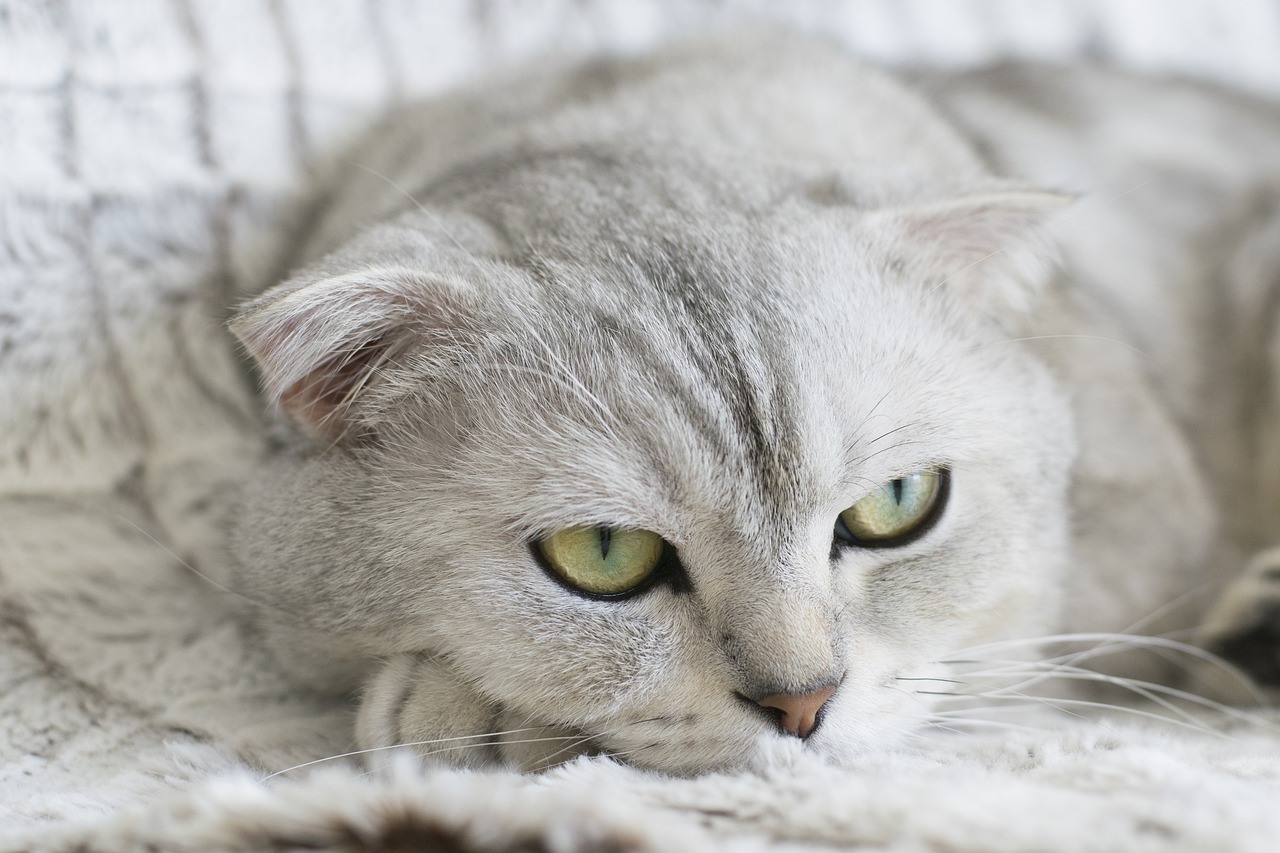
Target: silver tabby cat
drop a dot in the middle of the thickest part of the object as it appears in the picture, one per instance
(688, 408)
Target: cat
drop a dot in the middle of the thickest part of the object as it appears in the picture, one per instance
(690, 408)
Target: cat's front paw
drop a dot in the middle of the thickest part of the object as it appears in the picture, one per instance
(417, 701)
(1243, 627)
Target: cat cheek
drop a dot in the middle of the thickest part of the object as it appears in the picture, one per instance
(565, 661)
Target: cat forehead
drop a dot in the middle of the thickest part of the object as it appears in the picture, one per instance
(680, 379)
(653, 343)
(530, 188)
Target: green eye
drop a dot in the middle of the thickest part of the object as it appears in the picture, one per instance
(895, 512)
(602, 560)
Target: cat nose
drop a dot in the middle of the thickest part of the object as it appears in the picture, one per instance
(799, 710)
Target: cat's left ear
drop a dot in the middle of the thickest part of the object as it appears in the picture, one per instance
(990, 247)
(323, 343)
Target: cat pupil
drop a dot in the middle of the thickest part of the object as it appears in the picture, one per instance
(897, 491)
(605, 536)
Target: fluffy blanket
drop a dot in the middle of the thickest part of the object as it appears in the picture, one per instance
(150, 155)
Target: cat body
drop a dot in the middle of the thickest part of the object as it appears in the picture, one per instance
(1172, 251)
(724, 296)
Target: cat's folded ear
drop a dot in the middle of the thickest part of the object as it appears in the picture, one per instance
(320, 344)
(990, 247)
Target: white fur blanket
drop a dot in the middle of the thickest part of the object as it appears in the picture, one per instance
(149, 153)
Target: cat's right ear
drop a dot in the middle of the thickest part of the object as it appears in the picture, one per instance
(990, 246)
(320, 344)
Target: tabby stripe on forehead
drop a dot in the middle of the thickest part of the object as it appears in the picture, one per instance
(716, 355)
(692, 401)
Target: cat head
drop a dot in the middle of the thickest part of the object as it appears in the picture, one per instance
(684, 481)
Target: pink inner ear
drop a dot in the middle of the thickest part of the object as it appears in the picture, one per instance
(319, 344)
(320, 399)
(988, 246)
(971, 232)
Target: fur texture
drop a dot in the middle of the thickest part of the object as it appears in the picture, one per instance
(148, 154)
(722, 294)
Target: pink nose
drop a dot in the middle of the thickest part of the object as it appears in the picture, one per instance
(799, 710)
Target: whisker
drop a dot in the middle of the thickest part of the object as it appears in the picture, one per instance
(601, 734)
(1152, 691)
(549, 760)
(213, 583)
(959, 713)
(1109, 340)
(602, 411)
(1066, 673)
(988, 256)
(430, 214)
(913, 695)
(1106, 640)
(627, 752)
(934, 724)
(1168, 607)
(406, 745)
(464, 746)
(577, 740)
(980, 723)
(1057, 703)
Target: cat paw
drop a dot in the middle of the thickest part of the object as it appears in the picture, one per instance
(532, 747)
(415, 701)
(418, 702)
(1243, 627)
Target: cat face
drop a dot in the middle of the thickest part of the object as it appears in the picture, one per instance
(819, 464)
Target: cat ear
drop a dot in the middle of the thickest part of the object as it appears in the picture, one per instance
(320, 344)
(990, 247)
